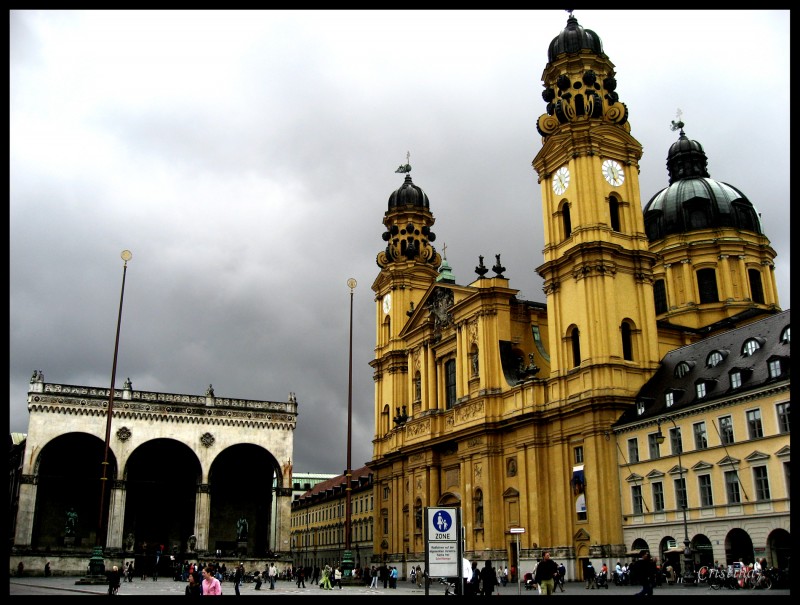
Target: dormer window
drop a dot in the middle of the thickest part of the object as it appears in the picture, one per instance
(751, 345)
(714, 359)
(669, 399)
(700, 389)
(774, 368)
(786, 336)
(736, 379)
(682, 369)
(640, 407)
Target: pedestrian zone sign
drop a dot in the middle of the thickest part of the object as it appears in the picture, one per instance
(442, 535)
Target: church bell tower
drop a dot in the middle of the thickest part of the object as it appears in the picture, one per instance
(597, 270)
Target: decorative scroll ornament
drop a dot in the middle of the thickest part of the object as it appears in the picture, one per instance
(124, 433)
(207, 439)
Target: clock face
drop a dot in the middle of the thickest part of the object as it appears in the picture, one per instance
(612, 172)
(387, 303)
(561, 180)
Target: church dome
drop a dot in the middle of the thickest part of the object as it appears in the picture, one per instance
(694, 201)
(408, 195)
(572, 39)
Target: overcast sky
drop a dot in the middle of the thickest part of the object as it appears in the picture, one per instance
(246, 160)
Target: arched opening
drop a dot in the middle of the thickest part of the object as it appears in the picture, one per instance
(627, 341)
(613, 209)
(575, 340)
(738, 546)
(567, 220)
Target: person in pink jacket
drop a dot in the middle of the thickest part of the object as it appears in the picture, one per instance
(211, 585)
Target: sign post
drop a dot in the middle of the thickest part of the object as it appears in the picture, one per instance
(442, 543)
(518, 531)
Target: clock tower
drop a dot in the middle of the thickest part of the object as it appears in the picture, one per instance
(598, 270)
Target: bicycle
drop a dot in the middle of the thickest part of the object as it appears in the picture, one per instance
(761, 580)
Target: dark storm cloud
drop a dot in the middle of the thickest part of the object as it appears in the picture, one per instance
(246, 158)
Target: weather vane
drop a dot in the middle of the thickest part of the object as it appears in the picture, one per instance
(677, 124)
(405, 167)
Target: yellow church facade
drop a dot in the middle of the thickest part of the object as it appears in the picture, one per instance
(510, 409)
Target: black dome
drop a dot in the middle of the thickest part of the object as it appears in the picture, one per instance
(573, 39)
(409, 195)
(694, 201)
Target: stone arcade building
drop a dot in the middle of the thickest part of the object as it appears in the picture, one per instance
(182, 470)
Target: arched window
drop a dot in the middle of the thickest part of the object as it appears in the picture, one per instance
(714, 359)
(567, 221)
(682, 369)
(627, 341)
(575, 337)
(756, 289)
(707, 285)
(613, 209)
(660, 296)
(751, 345)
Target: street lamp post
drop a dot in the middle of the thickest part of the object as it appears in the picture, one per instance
(96, 563)
(347, 557)
(688, 575)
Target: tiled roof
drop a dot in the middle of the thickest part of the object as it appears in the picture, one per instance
(337, 483)
(694, 360)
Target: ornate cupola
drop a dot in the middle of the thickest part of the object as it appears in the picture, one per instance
(693, 200)
(579, 81)
(409, 263)
(408, 222)
(714, 261)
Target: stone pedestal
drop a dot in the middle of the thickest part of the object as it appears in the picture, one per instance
(97, 568)
(69, 541)
(241, 547)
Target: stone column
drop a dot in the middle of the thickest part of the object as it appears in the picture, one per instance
(27, 506)
(116, 515)
(202, 512)
(283, 518)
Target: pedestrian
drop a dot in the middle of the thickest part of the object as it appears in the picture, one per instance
(643, 572)
(488, 578)
(393, 577)
(272, 574)
(129, 571)
(413, 578)
(238, 576)
(301, 577)
(258, 579)
(20, 569)
(419, 576)
(113, 580)
(211, 585)
(384, 574)
(590, 575)
(374, 573)
(472, 582)
(337, 578)
(326, 578)
(546, 571)
(193, 586)
(562, 575)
